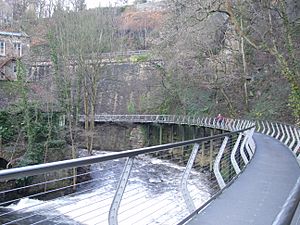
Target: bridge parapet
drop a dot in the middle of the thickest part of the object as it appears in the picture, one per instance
(116, 191)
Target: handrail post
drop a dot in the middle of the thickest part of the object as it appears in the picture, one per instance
(238, 125)
(283, 134)
(288, 135)
(278, 131)
(183, 184)
(114, 208)
(252, 142)
(242, 151)
(250, 153)
(268, 128)
(293, 138)
(264, 128)
(273, 128)
(244, 124)
(258, 126)
(232, 156)
(298, 141)
(217, 172)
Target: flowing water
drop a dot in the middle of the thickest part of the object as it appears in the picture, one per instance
(152, 196)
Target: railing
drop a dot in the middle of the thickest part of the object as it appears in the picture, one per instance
(226, 124)
(287, 134)
(290, 136)
(286, 214)
(162, 184)
(105, 56)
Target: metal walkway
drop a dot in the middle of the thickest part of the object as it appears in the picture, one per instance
(257, 196)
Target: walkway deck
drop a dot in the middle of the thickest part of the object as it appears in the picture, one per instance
(257, 195)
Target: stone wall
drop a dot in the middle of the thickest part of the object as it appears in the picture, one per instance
(115, 137)
(124, 87)
(128, 88)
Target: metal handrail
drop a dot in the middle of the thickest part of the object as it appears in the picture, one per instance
(242, 128)
(289, 135)
(174, 119)
(66, 164)
(287, 212)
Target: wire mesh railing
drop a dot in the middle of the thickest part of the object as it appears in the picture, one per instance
(154, 185)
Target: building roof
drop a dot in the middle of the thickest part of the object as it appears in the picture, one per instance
(17, 34)
(3, 62)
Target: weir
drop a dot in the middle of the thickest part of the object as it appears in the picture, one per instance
(164, 184)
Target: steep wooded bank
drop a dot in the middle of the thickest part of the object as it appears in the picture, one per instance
(237, 58)
(219, 57)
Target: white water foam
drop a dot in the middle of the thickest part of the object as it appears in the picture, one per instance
(152, 196)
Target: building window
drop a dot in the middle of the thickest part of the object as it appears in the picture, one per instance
(18, 49)
(2, 48)
(15, 68)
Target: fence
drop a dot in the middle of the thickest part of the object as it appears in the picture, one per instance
(162, 184)
(289, 135)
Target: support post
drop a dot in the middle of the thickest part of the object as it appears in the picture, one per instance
(233, 152)
(217, 172)
(194, 132)
(242, 149)
(298, 141)
(283, 134)
(278, 131)
(148, 130)
(114, 208)
(211, 148)
(160, 134)
(182, 137)
(172, 134)
(288, 135)
(183, 184)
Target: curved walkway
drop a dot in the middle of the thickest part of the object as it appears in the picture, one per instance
(257, 196)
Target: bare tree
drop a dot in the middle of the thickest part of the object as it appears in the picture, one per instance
(216, 45)
(199, 51)
(78, 43)
(269, 27)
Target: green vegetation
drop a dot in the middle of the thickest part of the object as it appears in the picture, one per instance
(25, 123)
(131, 107)
(237, 64)
(242, 66)
(38, 137)
(140, 58)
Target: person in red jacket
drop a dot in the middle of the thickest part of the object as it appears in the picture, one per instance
(220, 118)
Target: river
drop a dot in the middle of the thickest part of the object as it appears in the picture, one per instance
(152, 196)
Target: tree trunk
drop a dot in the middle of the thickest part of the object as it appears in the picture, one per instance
(244, 75)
